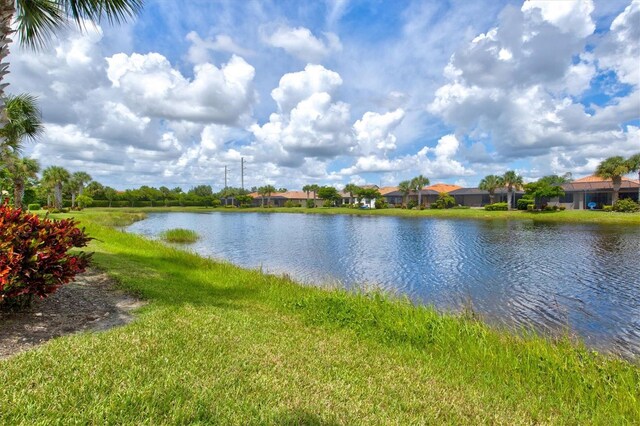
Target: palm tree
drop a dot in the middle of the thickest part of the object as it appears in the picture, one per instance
(56, 176)
(21, 170)
(307, 189)
(511, 180)
(614, 168)
(37, 20)
(76, 185)
(24, 121)
(491, 183)
(405, 188)
(314, 188)
(268, 190)
(417, 183)
(351, 188)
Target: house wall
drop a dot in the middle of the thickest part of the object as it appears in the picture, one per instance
(476, 200)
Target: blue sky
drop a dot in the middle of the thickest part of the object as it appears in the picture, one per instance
(341, 91)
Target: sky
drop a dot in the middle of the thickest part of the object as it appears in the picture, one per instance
(338, 91)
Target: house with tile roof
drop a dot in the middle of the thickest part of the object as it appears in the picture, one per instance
(594, 192)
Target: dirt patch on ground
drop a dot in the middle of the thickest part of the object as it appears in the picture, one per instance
(90, 303)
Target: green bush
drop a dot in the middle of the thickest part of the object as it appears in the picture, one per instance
(84, 201)
(531, 207)
(625, 205)
(497, 207)
(327, 203)
(35, 206)
(412, 204)
(444, 201)
(381, 203)
(522, 203)
(607, 208)
(310, 204)
(460, 207)
(290, 204)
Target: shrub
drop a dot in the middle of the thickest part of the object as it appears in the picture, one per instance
(84, 201)
(327, 203)
(34, 258)
(607, 208)
(444, 201)
(412, 204)
(381, 203)
(531, 207)
(522, 203)
(35, 206)
(310, 204)
(461, 207)
(625, 205)
(496, 207)
(562, 208)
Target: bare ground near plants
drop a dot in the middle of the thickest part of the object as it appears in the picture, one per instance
(90, 303)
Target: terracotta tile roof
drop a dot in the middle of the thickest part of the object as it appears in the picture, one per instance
(594, 178)
(387, 189)
(442, 187)
(600, 185)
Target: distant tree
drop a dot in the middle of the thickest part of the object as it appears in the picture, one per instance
(201, 191)
(417, 183)
(95, 190)
(307, 189)
(368, 194)
(75, 185)
(21, 170)
(615, 168)
(405, 188)
(266, 191)
(56, 177)
(84, 201)
(546, 187)
(110, 194)
(351, 189)
(511, 180)
(328, 193)
(280, 190)
(491, 183)
(132, 195)
(244, 200)
(315, 188)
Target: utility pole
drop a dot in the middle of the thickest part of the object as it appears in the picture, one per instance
(242, 172)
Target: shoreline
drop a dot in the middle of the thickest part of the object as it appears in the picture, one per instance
(567, 216)
(216, 340)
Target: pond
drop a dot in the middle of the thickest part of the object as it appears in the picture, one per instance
(553, 277)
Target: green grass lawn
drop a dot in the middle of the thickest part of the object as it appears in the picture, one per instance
(223, 345)
(567, 216)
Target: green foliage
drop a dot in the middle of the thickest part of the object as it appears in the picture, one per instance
(607, 208)
(328, 193)
(35, 206)
(497, 207)
(84, 201)
(180, 235)
(381, 203)
(290, 204)
(327, 203)
(546, 187)
(625, 205)
(310, 204)
(412, 204)
(444, 201)
(523, 202)
(243, 200)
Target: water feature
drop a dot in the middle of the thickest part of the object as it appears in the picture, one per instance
(554, 277)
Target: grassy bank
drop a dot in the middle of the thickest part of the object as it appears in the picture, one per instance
(220, 344)
(567, 216)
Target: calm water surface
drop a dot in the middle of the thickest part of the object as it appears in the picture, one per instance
(549, 276)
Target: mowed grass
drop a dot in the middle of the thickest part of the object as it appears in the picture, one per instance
(567, 216)
(179, 235)
(223, 345)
